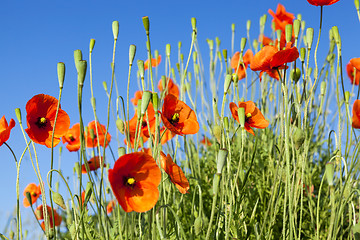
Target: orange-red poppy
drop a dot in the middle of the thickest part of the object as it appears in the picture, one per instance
(34, 191)
(175, 173)
(138, 96)
(100, 134)
(247, 58)
(72, 138)
(253, 116)
(166, 135)
(5, 129)
(154, 62)
(281, 18)
(144, 127)
(41, 111)
(322, 2)
(356, 114)
(270, 58)
(354, 77)
(170, 87)
(134, 181)
(110, 207)
(40, 216)
(178, 117)
(94, 164)
(205, 141)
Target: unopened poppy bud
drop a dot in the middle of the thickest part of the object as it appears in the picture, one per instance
(217, 132)
(61, 73)
(335, 31)
(59, 200)
(155, 101)
(233, 27)
(77, 58)
(121, 151)
(299, 17)
(235, 78)
(225, 54)
(77, 168)
(11, 234)
(216, 182)
(356, 2)
(347, 96)
(18, 114)
(140, 64)
(82, 65)
(193, 23)
(198, 225)
(105, 86)
(28, 197)
(93, 102)
(88, 191)
(329, 173)
(297, 24)
(295, 74)
(167, 50)
(115, 29)
(248, 25)
(91, 45)
(120, 125)
(227, 83)
(322, 88)
(241, 115)
(278, 35)
(242, 44)
(288, 32)
(221, 159)
(146, 97)
(298, 137)
(255, 44)
(309, 37)
(302, 54)
(263, 20)
(132, 51)
(210, 43)
(146, 23)
(226, 123)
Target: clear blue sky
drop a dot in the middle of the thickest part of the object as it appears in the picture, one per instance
(36, 35)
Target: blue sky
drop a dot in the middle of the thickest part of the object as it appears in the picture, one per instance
(36, 35)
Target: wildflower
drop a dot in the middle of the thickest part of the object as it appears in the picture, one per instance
(281, 18)
(35, 193)
(154, 62)
(170, 87)
(241, 70)
(356, 114)
(134, 181)
(40, 216)
(138, 96)
(354, 77)
(175, 173)
(72, 138)
(270, 58)
(5, 129)
(178, 117)
(166, 135)
(110, 207)
(253, 116)
(41, 111)
(143, 127)
(94, 164)
(322, 2)
(100, 134)
(206, 141)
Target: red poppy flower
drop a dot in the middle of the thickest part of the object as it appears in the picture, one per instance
(72, 138)
(110, 207)
(144, 128)
(40, 216)
(34, 191)
(100, 134)
(138, 96)
(41, 111)
(281, 18)
(134, 181)
(253, 116)
(270, 58)
(5, 129)
(247, 58)
(356, 114)
(154, 62)
(94, 164)
(206, 141)
(322, 2)
(178, 117)
(354, 63)
(171, 88)
(175, 173)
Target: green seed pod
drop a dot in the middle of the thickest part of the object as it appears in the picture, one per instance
(297, 24)
(146, 23)
(329, 173)
(59, 200)
(242, 44)
(225, 54)
(115, 29)
(93, 102)
(248, 25)
(347, 96)
(82, 66)
(61, 73)
(146, 97)
(288, 32)
(221, 160)
(91, 45)
(299, 17)
(168, 50)
(309, 37)
(241, 114)
(356, 2)
(77, 58)
(193, 23)
(295, 74)
(88, 191)
(18, 114)
(155, 101)
(302, 54)
(322, 88)
(255, 44)
(120, 125)
(298, 137)
(121, 151)
(11, 234)
(132, 51)
(140, 64)
(227, 83)
(217, 132)
(233, 27)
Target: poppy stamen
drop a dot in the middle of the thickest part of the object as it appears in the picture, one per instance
(130, 181)
(175, 118)
(41, 122)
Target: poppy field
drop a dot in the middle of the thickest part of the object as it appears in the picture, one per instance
(261, 143)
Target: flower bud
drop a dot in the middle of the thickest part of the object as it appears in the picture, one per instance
(241, 115)
(77, 58)
(28, 197)
(59, 200)
(18, 114)
(121, 151)
(168, 50)
(299, 17)
(295, 74)
(288, 32)
(302, 54)
(140, 64)
(132, 51)
(225, 54)
(82, 66)
(217, 132)
(221, 159)
(356, 2)
(322, 88)
(233, 27)
(329, 173)
(155, 101)
(335, 31)
(298, 137)
(61, 73)
(120, 125)
(255, 44)
(309, 37)
(347, 96)
(105, 86)
(193, 23)
(146, 23)
(88, 191)
(226, 123)
(297, 24)
(248, 25)
(146, 97)
(242, 44)
(91, 45)
(227, 83)
(115, 29)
